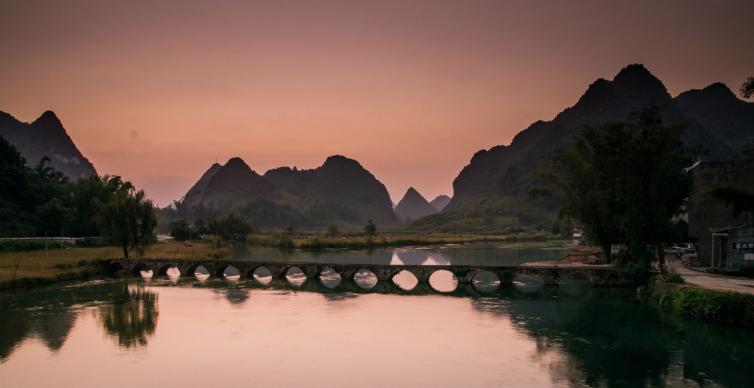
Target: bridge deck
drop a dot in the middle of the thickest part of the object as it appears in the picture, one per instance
(596, 275)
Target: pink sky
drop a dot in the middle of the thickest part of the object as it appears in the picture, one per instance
(158, 92)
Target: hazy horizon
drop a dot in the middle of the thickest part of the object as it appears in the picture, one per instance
(156, 93)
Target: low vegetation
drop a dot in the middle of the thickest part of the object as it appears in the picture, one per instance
(41, 202)
(77, 261)
(694, 302)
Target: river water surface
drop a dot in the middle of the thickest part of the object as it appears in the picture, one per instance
(331, 333)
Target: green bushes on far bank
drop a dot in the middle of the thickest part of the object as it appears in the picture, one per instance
(694, 302)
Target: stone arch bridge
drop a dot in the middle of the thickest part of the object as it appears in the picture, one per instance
(549, 275)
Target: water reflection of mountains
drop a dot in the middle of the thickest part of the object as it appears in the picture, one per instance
(480, 253)
(602, 337)
(127, 313)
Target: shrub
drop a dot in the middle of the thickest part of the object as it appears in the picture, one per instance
(699, 303)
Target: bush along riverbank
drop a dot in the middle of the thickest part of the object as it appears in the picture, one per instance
(670, 294)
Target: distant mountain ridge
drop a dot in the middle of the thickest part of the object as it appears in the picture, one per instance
(46, 136)
(440, 202)
(339, 191)
(413, 206)
(496, 182)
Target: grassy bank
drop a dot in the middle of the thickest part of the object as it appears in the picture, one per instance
(39, 267)
(25, 266)
(694, 302)
(322, 242)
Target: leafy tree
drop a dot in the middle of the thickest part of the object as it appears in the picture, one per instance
(52, 216)
(231, 227)
(180, 230)
(370, 229)
(333, 230)
(87, 197)
(17, 217)
(48, 193)
(201, 227)
(625, 183)
(128, 219)
(747, 89)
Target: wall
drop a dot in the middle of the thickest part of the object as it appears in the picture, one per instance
(741, 245)
(706, 213)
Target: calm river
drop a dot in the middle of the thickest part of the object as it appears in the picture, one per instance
(135, 333)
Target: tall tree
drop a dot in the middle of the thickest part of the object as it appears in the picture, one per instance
(128, 219)
(747, 89)
(370, 229)
(87, 197)
(625, 183)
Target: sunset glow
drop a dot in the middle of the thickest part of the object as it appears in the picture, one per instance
(158, 92)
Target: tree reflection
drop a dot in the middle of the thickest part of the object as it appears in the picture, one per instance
(606, 338)
(131, 316)
(602, 340)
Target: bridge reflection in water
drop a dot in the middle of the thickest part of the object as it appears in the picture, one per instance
(414, 279)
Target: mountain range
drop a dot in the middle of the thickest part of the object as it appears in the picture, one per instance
(492, 190)
(46, 136)
(440, 202)
(413, 206)
(339, 191)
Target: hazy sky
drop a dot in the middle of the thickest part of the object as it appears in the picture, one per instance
(157, 91)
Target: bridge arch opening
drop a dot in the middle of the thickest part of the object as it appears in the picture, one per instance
(143, 271)
(365, 279)
(168, 270)
(200, 272)
(405, 280)
(295, 276)
(443, 280)
(114, 268)
(330, 278)
(528, 283)
(485, 282)
(172, 272)
(261, 275)
(231, 273)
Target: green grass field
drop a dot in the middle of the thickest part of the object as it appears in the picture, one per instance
(54, 262)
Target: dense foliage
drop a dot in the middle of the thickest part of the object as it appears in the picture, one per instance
(370, 229)
(747, 89)
(39, 201)
(181, 230)
(232, 228)
(128, 219)
(626, 183)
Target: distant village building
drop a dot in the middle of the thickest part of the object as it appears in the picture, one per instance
(724, 242)
(733, 248)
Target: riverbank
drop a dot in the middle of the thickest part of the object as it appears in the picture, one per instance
(670, 294)
(31, 268)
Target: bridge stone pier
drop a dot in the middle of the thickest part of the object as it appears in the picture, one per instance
(547, 275)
